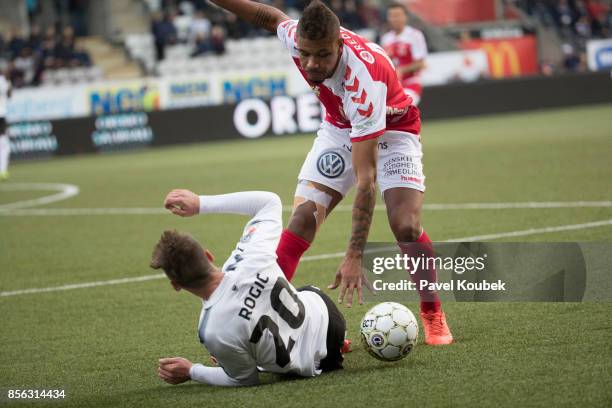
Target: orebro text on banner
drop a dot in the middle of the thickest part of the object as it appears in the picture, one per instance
(282, 115)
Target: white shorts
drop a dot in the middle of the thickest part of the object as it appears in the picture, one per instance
(399, 160)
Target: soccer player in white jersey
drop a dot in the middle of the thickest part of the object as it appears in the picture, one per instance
(252, 317)
(370, 135)
(407, 49)
(5, 146)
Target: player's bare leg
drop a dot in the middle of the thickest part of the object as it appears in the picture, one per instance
(404, 212)
(313, 203)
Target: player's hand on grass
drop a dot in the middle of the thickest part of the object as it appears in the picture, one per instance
(174, 370)
(350, 277)
(183, 203)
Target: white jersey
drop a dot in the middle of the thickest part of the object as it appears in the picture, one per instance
(4, 91)
(255, 317)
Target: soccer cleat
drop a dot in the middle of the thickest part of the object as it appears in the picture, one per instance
(346, 346)
(4, 176)
(436, 330)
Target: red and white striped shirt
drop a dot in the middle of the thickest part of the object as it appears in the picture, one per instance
(364, 94)
(404, 49)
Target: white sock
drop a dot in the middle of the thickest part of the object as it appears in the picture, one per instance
(5, 153)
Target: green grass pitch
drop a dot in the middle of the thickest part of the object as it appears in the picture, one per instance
(101, 344)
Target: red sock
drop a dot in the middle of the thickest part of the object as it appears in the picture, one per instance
(289, 251)
(430, 302)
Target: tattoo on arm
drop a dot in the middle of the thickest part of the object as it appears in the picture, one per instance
(363, 209)
(264, 17)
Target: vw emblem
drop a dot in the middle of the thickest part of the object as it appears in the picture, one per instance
(330, 164)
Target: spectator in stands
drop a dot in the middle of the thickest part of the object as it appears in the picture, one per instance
(217, 39)
(64, 50)
(164, 31)
(201, 46)
(46, 53)
(577, 22)
(200, 26)
(25, 63)
(35, 38)
(81, 57)
(583, 27)
(600, 15)
(15, 43)
(565, 17)
(15, 76)
(571, 61)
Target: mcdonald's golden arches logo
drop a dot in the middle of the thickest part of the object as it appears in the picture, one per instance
(503, 58)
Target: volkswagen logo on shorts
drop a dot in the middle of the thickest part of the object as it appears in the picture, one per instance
(330, 164)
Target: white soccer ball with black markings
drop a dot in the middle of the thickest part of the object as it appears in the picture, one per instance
(389, 331)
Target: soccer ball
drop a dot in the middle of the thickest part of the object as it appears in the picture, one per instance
(389, 331)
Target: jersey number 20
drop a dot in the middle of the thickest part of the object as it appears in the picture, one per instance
(266, 322)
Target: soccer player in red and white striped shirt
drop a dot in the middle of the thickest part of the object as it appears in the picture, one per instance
(407, 49)
(370, 136)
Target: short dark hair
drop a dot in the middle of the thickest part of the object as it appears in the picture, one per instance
(398, 5)
(318, 22)
(182, 258)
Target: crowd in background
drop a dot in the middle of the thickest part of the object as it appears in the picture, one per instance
(576, 22)
(26, 57)
(211, 26)
(26, 54)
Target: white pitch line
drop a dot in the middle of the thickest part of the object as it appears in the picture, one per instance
(83, 285)
(84, 211)
(524, 205)
(157, 210)
(534, 231)
(65, 191)
(521, 233)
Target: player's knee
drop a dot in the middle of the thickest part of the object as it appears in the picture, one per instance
(310, 208)
(407, 230)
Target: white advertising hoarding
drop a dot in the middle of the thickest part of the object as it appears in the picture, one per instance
(455, 66)
(228, 87)
(599, 54)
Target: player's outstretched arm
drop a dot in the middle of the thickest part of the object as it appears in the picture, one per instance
(177, 370)
(258, 14)
(263, 204)
(350, 276)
